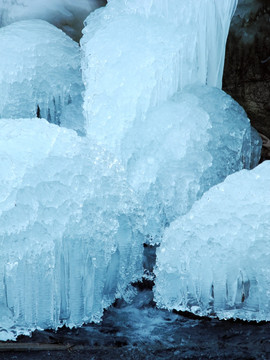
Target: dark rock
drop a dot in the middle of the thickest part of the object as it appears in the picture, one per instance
(247, 65)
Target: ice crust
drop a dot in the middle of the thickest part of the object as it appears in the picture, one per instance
(215, 259)
(70, 228)
(40, 74)
(68, 15)
(137, 54)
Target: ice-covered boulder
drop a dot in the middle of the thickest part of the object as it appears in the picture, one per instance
(67, 15)
(216, 259)
(70, 228)
(40, 74)
(137, 54)
(182, 148)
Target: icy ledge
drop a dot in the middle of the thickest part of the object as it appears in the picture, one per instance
(215, 259)
(70, 228)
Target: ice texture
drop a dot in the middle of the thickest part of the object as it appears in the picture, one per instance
(215, 259)
(145, 65)
(182, 148)
(138, 53)
(67, 15)
(70, 228)
(40, 74)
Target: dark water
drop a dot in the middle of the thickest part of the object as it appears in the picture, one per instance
(140, 331)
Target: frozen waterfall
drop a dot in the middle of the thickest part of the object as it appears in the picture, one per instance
(153, 133)
(140, 59)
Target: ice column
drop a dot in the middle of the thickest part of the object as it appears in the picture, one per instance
(137, 54)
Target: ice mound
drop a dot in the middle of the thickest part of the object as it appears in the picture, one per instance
(138, 53)
(215, 259)
(70, 228)
(40, 74)
(182, 148)
(67, 15)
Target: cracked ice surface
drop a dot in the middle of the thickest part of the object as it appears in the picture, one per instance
(40, 74)
(215, 259)
(69, 228)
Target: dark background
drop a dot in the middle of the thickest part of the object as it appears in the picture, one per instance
(247, 65)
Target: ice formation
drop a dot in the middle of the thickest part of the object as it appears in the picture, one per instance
(70, 228)
(40, 74)
(67, 15)
(182, 148)
(175, 143)
(138, 53)
(70, 213)
(215, 259)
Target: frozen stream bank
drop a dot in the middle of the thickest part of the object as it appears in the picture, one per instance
(143, 332)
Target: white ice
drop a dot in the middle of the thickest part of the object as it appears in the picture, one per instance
(215, 259)
(70, 228)
(40, 74)
(67, 15)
